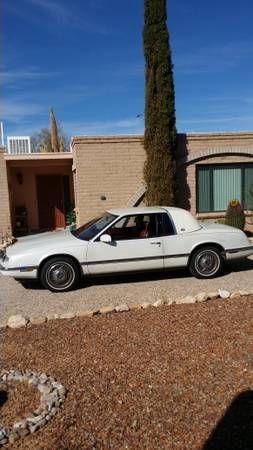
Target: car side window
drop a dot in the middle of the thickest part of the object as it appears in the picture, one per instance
(129, 227)
(141, 226)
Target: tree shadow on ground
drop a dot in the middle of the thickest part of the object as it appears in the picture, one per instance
(234, 431)
(242, 265)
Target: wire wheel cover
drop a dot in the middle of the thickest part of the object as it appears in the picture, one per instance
(60, 275)
(207, 262)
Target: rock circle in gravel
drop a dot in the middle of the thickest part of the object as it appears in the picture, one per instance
(52, 396)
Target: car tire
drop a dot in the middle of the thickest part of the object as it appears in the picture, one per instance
(206, 262)
(60, 274)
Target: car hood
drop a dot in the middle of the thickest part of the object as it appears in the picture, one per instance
(51, 240)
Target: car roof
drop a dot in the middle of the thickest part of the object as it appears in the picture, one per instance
(141, 210)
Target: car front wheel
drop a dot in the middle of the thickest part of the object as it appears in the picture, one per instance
(206, 262)
(60, 274)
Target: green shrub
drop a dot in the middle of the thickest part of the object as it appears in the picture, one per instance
(70, 216)
(235, 215)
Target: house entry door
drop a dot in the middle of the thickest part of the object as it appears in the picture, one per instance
(50, 201)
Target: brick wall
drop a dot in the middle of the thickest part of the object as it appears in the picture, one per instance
(113, 167)
(106, 166)
(207, 148)
(4, 197)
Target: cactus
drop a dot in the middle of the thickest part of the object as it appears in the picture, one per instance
(235, 215)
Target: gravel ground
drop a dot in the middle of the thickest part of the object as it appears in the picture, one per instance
(174, 378)
(17, 401)
(31, 300)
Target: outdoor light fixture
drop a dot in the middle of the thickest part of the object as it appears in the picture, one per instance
(19, 177)
(102, 197)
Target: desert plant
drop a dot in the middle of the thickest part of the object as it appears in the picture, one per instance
(70, 216)
(235, 214)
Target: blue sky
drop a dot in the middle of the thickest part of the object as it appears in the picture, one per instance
(85, 58)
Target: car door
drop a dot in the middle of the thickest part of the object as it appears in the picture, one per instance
(131, 248)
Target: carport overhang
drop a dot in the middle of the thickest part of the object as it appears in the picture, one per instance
(26, 167)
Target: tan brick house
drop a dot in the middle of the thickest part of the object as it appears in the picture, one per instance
(211, 168)
(103, 172)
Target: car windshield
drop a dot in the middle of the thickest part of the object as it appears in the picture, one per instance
(92, 228)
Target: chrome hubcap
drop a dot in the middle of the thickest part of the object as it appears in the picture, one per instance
(60, 275)
(207, 263)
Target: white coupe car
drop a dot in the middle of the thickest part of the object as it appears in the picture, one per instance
(125, 240)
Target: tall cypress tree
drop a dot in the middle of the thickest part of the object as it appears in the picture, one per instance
(160, 121)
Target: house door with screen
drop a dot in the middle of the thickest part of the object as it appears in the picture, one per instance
(50, 201)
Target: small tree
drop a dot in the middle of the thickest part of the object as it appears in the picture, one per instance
(160, 122)
(41, 141)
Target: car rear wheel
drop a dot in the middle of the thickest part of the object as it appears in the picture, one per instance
(60, 274)
(206, 262)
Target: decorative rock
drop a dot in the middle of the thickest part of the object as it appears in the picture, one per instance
(62, 391)
(34, 380)
(106, 309)
(223, 293)
(122, 308)
(33, 428)
(53, 317)
(23, 432)
(3, 433)
(158, 303)
(134, 306)
(17, 321)
(13, 437)
(52, 396)
(201, 297)
(37, 320)
(235, 294)
(53, 411)
(188, 299)
(69, 315)
(146, 305)
(87, 313)
(20, 425)
(43, 378)
(44, 389)
(169, 301)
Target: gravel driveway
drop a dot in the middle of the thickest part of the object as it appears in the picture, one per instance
(31, 300)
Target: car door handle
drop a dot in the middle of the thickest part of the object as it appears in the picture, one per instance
(155, 243)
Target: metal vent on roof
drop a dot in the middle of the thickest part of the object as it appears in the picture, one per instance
(18, 144)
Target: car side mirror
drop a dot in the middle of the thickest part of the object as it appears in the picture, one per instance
(105, 238)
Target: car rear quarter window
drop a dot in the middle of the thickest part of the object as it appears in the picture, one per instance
(165, 225)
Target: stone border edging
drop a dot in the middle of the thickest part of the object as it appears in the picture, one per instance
(52, 397)
(19, 321)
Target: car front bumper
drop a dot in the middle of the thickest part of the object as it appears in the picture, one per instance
(28, 272)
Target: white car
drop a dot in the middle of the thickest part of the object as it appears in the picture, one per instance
(125, 240)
